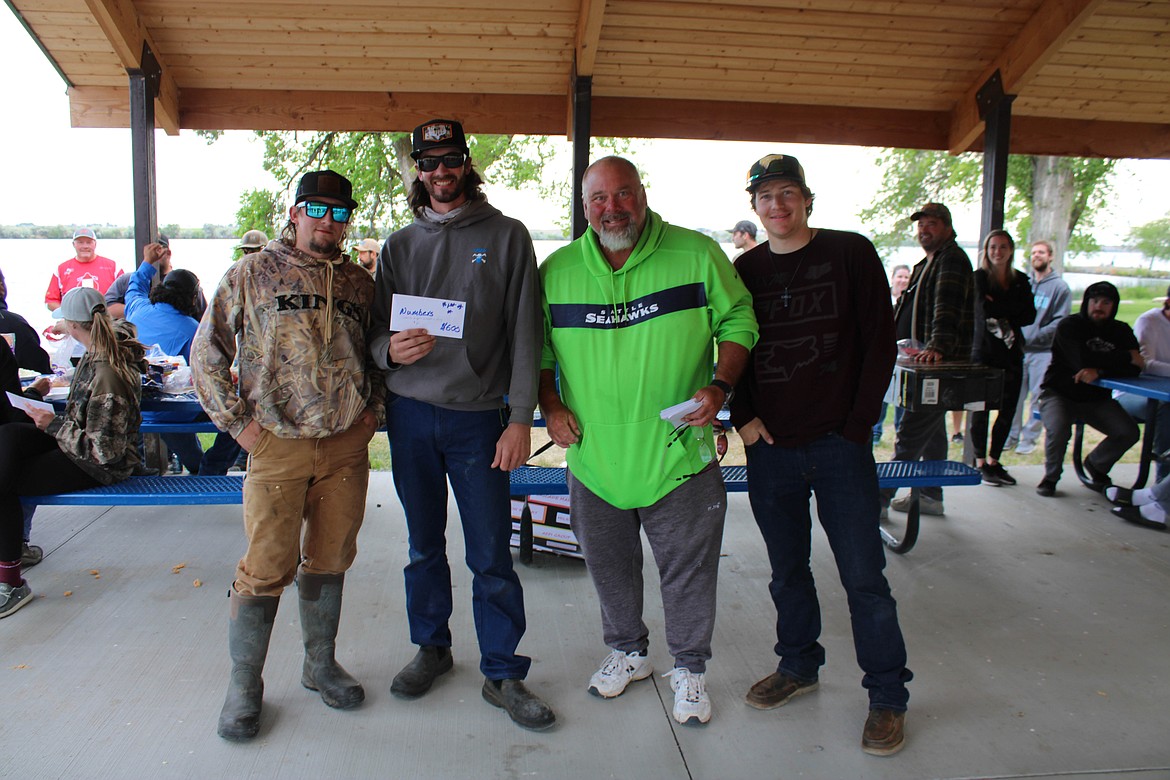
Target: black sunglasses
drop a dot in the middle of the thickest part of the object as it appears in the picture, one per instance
(451, 160)
(341, 214)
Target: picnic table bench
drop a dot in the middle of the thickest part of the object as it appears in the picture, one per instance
(541, 480)
(525, 481)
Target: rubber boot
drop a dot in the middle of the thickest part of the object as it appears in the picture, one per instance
(248, 634)
(320, 614)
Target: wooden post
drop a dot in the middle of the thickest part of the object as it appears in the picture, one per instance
(582, 100)
(144, 88)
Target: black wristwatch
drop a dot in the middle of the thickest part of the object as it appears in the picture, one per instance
(727, 389)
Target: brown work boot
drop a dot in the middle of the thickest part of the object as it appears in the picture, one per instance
(776, 689)
(884, 733)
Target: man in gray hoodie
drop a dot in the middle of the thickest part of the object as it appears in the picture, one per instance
(1053, 301)
(460, 409)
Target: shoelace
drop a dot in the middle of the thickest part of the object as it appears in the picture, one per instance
(693, 683)
(613, 663)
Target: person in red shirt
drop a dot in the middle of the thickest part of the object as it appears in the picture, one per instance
(86, 269)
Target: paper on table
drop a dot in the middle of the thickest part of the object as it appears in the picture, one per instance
(675, 414)
(27, 404)
(440, 317)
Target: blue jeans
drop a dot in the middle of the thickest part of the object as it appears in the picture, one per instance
(843, 477)
(428, 446)
(220, 456)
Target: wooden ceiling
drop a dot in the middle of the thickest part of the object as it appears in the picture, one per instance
(1092, 76)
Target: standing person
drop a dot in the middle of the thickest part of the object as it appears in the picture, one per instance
(1053, 300)
(447, 417)
(743, 236)
(85, 269)
(368, 250)
(1089, 345)
(94, 442)
(938, 311)
(1003, 305)
(804, 416)
(632, 309)
(252, 242)
(225, 452)
(899, 279)
(306, 407)
(1152, 329)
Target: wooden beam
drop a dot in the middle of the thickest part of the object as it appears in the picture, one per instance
(1054, 22)
(589, 21)
(126, 33)
(624, 117)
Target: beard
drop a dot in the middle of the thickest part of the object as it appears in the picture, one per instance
(449, 196)
(620, 239)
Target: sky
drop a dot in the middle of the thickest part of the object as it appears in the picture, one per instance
(83, 175)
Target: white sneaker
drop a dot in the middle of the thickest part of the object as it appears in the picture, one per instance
(617, 671)
(692, 706)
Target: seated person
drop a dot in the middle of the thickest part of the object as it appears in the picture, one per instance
(1153, 334)
(116, 293)
(1088, 345)
(94, 442)
(165, 315)
(1146, 507)
(30, 356)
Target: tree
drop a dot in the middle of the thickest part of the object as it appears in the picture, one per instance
(382, 171)
(1152, 240)
(1053, 198)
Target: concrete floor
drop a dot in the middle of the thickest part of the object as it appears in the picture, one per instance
(1037, 631)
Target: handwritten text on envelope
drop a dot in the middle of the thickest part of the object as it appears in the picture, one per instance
(438, 316)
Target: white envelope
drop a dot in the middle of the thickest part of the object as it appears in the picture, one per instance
(440, 317)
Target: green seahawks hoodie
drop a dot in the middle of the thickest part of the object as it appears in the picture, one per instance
(632, 342)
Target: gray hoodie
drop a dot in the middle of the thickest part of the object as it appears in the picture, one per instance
(1053, 301)
(486, 260)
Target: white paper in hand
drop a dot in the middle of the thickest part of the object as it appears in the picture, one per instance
(675, 414)
(28, 404)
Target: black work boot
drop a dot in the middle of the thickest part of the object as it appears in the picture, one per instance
(248, 633)
(320, 614)
(416, 677)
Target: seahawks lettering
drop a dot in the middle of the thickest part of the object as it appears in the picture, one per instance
(607, 316)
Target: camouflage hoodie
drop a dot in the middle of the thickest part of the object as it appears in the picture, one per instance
(300, 323)
(99, 429)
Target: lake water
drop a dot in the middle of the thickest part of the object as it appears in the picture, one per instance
(28, 264)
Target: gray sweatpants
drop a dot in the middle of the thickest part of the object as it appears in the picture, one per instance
(685, 529)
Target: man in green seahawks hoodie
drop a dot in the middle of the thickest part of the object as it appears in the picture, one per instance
(632, 311)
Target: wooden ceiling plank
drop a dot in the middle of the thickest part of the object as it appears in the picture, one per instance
(1054, 22)
(127, 34)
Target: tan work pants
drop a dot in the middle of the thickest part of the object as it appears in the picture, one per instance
(310, 487)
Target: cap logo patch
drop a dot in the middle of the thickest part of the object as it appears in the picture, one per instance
(440, 131)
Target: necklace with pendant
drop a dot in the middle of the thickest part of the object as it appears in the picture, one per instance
(786, 296)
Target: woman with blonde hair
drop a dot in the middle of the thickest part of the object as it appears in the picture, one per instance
(94, 442)
(1003, 305)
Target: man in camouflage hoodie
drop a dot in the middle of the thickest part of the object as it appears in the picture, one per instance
(308, 402)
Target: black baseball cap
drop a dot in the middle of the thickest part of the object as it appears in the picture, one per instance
(774, 166)
(326, 184)
(438, 133)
